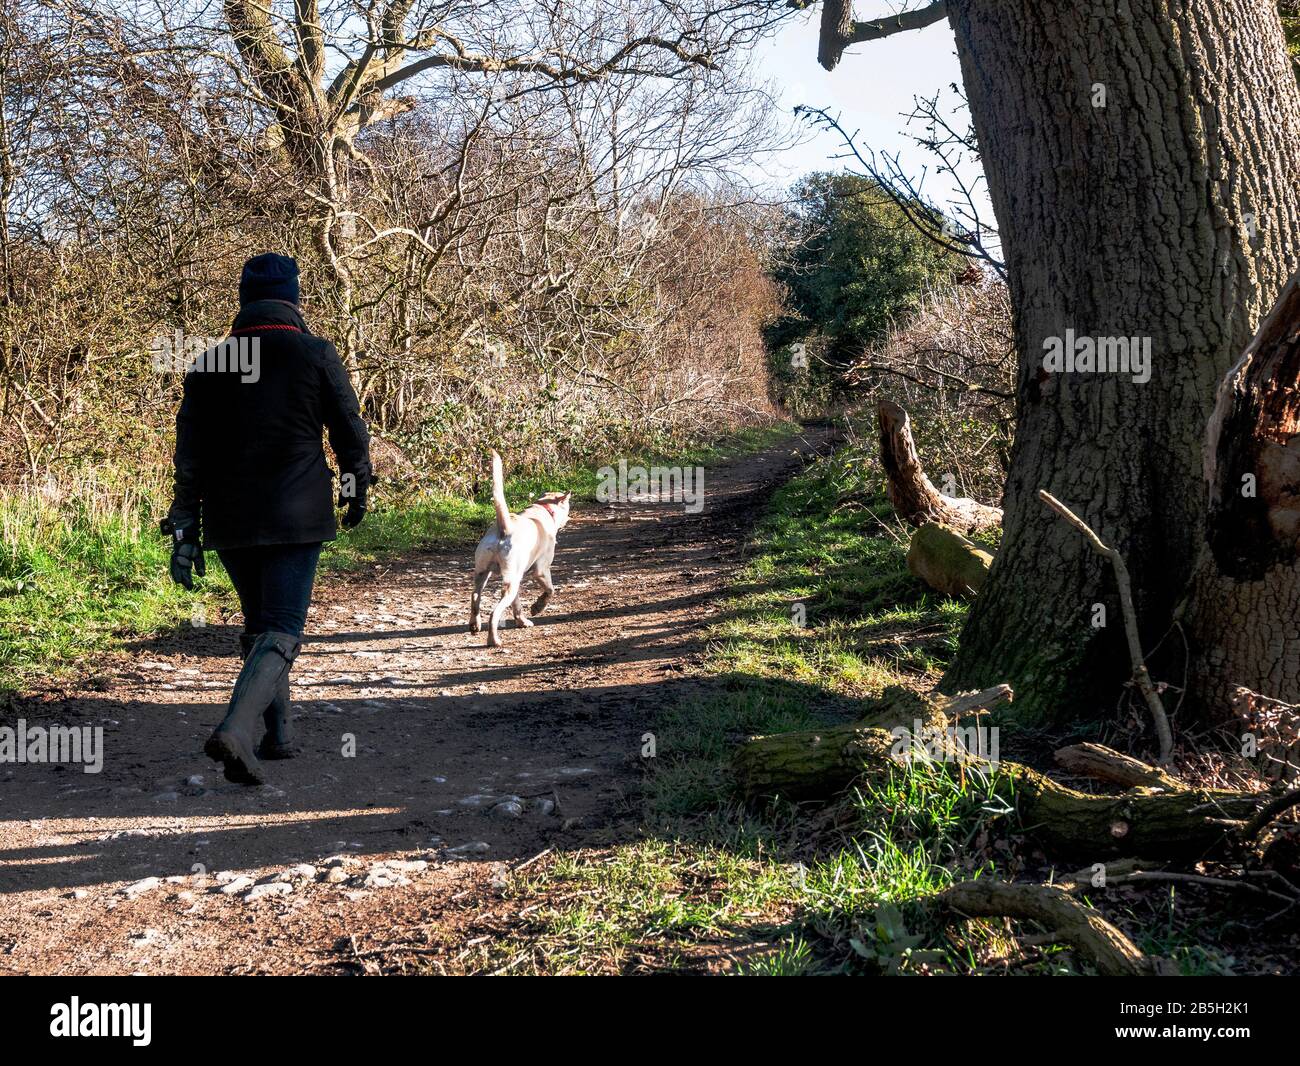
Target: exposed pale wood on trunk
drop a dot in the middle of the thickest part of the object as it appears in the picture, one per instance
(1244, 602)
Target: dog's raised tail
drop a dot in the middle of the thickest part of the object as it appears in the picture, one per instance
(504, 522)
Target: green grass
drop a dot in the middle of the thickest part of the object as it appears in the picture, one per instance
(83, 568)
(823, 615)
(77, 573)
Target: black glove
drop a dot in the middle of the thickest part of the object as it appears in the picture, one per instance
(187, 553)
(356, 505)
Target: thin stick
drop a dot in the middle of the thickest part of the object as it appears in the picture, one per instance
(1195, 879)
(1140, 672)
(529, 862)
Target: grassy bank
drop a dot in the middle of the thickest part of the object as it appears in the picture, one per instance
(82, 566)
(823, 615)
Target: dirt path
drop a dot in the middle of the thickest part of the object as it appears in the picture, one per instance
(468, 761)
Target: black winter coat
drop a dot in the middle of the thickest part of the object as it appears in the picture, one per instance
(249, 454)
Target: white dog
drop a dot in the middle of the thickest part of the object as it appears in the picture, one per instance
(517, 547)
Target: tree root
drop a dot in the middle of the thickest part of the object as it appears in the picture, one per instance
(1108, 949)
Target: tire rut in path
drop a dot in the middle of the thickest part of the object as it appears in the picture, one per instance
(443, 729)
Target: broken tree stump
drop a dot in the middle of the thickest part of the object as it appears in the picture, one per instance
(947, 561)
(913, 495)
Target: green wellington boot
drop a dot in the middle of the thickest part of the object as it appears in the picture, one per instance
(277, 741)
(266, 667)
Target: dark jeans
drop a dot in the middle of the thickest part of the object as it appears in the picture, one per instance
(274, 584)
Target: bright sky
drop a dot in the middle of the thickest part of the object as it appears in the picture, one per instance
(871, 91)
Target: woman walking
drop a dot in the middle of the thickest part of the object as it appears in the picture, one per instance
(252, 483)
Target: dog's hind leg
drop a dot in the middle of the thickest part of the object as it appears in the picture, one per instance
(476, 598)
(548, 590)
(508, 596)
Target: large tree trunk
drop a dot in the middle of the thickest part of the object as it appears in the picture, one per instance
(1169, 214)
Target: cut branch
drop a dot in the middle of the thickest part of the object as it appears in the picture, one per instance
(1105, 764)
(947, 561)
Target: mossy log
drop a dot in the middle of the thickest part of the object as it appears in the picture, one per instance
(947, 561)
(1186, 823)
(819, 764)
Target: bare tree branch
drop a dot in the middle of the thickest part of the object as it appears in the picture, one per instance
(839, 29)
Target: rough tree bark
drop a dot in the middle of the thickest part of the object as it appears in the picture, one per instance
(1168, 214)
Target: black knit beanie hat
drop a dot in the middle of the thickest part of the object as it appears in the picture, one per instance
(269, 277)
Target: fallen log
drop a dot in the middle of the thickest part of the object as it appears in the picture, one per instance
(947, 561)
(913, 495)
(820, 764)
(1185, 823)
(1113, 953)
(817, 763)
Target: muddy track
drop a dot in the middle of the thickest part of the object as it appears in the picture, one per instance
(432, 765)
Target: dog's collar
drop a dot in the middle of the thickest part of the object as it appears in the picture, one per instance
(548, 507)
